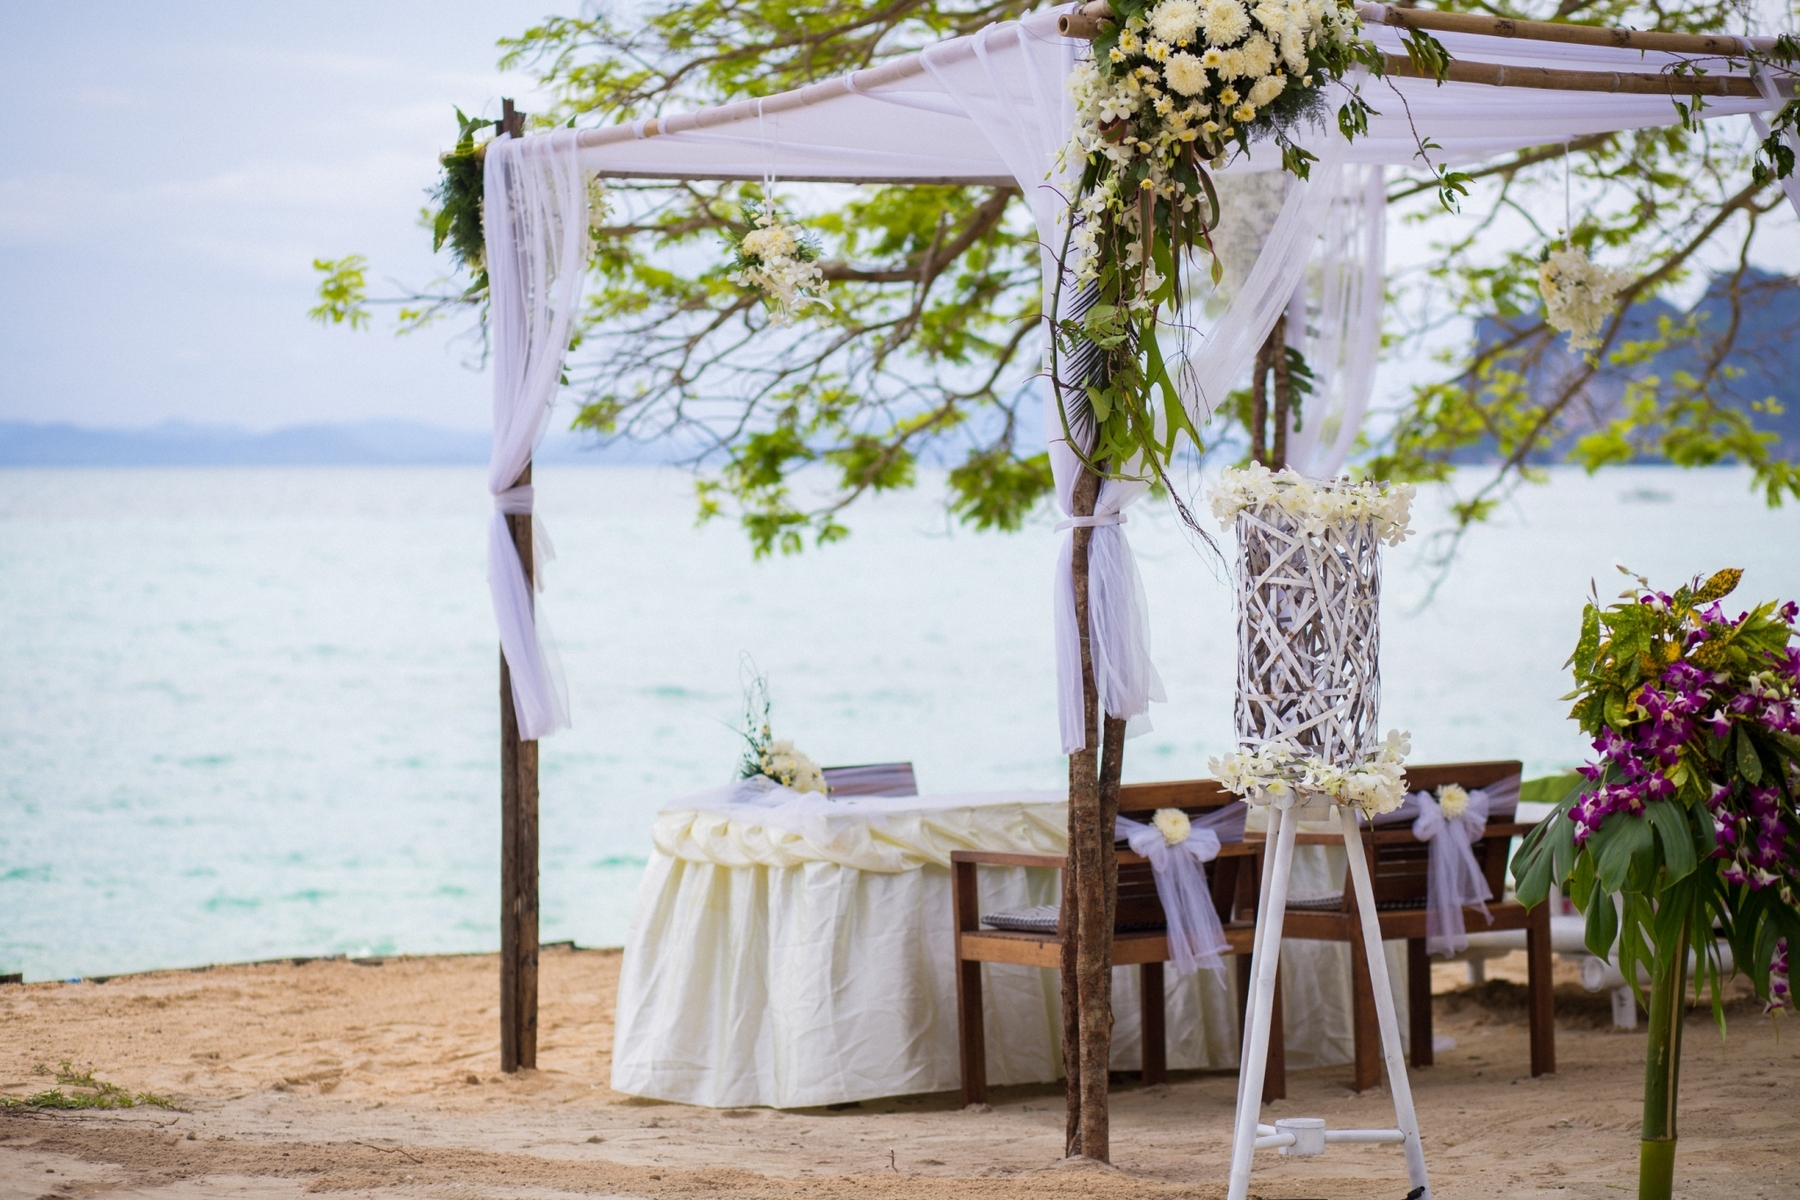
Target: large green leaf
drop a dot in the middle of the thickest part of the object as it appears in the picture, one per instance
(1619, 840)
(1602, 925)
(1677, 837)
(1749, 764)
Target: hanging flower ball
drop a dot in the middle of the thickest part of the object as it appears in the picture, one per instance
(1579, 295)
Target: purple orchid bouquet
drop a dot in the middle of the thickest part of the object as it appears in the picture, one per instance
(1687, 814)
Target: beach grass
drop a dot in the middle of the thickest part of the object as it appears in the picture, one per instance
(86, 1092)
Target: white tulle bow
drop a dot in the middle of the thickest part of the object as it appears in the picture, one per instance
(1196, 939)
(1454, 879)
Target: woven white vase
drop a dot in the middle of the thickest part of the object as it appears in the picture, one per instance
(1309, 635)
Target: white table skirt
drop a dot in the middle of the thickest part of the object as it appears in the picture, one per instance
(763, 968)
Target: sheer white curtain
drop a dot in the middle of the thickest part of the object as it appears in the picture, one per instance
(535, 221)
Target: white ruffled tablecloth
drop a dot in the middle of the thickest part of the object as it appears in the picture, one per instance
(793, 951)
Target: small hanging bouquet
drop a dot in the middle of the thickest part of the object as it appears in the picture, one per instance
(1688, 814)
(767, 758)
(778, 259)
(1579, 295)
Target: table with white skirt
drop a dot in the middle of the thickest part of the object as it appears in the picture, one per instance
(788, 950)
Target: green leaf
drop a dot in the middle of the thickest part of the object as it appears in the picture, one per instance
(1620, 839)
(1550, 789)
(1749, 764)
(1676, 836)
(1602, 927)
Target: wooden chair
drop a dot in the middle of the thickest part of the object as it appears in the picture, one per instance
(1139, 937)
(1398, 868)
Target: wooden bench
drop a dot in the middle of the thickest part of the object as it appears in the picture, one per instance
(1398, 868)
(1138, 939)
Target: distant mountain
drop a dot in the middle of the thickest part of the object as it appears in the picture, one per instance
(365, 443)
(1767, 354)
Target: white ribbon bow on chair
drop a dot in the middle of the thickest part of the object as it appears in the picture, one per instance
(1196, 939)
(1454, 878)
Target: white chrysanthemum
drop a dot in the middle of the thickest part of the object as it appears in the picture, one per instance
(1185, 74)
(1453, 800)
(1175, 21)
(1579, 295)
(1243, 112)
(1266, 89)
(1257, 56)
(1225, 21)
(1173, 824)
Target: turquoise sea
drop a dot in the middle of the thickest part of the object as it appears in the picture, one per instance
(252, 713)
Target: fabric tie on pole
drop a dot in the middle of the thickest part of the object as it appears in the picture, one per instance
(515, 501)
(1093, 522)
(1453, 878)
(535, 220)
(1196, 939)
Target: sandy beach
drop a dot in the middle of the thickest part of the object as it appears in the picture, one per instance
(382, 1079)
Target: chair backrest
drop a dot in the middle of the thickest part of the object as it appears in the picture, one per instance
(1139, 906)
(1400, 871)
(872, 779)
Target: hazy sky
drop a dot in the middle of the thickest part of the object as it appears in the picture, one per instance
(174, 169)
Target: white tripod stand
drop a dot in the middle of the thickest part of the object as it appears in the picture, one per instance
(1308, 1135)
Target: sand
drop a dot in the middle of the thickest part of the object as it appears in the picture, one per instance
(383, 1080)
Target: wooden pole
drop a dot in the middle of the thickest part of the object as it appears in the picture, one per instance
(1259, 406)
(518, 850)
(1081, 875)
(1284, 394)
(518, 813)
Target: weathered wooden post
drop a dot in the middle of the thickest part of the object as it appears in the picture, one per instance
(518, 851)
(518, 815)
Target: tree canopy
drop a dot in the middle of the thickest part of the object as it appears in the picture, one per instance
(932, 343)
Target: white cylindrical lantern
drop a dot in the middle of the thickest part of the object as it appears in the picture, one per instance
(1309, 633)
(1309, 638)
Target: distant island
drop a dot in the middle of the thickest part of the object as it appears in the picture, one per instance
(364, 443)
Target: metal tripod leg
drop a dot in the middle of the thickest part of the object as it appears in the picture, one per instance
(1266, 958)
(1384, 1004)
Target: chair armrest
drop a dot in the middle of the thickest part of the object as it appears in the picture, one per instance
(1006, 858)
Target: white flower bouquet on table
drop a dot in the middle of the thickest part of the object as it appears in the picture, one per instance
(764, 757)
(776, 258)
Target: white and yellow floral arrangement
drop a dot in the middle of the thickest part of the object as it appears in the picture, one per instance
(1279, 774)
(778, 259)
(1579, 295)
(1315, 503)
(764, 757)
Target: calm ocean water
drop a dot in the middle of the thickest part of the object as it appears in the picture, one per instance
(252, 713)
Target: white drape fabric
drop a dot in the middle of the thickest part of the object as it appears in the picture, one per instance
(1196, 938)
(1453, 878)
(535, 222)
(1338, 322)
(989, 108)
